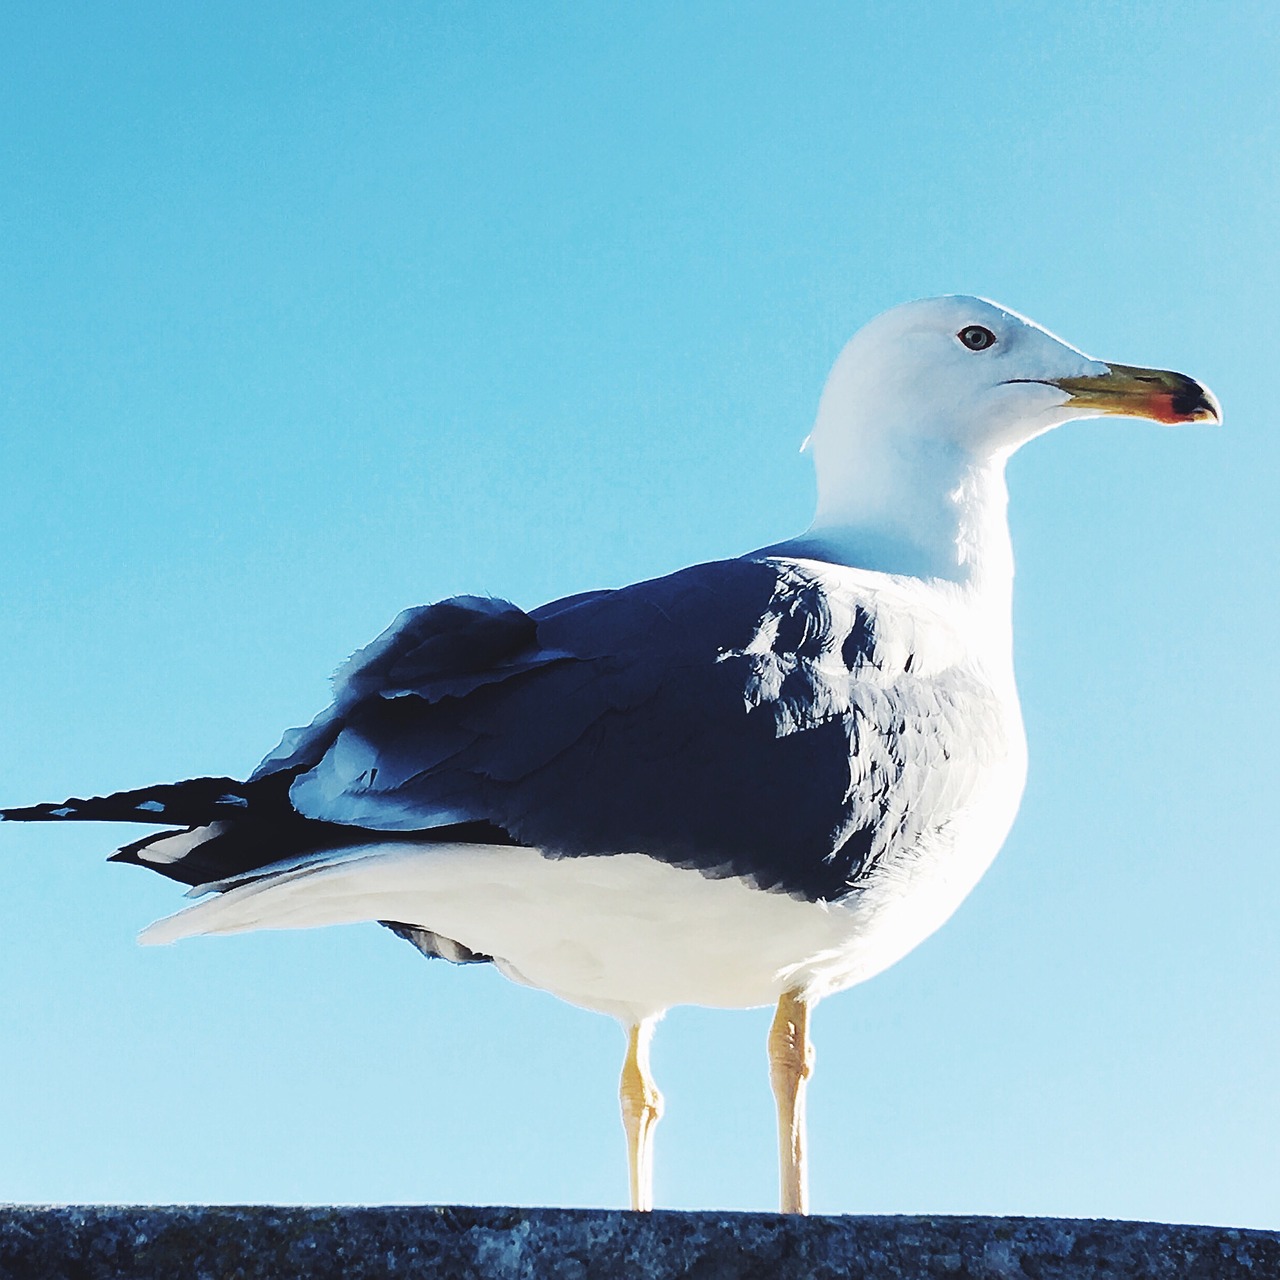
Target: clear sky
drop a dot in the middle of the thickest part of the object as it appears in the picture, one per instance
(315, 311)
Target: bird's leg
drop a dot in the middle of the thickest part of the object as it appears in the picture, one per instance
(790, 1065)
(641, 1110)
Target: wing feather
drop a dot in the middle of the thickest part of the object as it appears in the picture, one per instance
(738, 717)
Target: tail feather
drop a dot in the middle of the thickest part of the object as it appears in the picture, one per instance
(173, 804)
(214, 852)
(228, 828)
(236, 839)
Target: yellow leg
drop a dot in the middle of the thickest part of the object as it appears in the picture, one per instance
(790, 1066)
(641, 1110)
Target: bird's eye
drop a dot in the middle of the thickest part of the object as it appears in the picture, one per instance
(976, 338)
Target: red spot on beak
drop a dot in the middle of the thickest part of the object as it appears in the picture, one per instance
(1161, 408)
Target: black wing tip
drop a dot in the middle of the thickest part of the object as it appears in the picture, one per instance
(49, 812)
(166, 804)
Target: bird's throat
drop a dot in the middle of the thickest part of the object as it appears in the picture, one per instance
(941, 516)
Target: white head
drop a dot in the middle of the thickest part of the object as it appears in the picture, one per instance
(926, 403)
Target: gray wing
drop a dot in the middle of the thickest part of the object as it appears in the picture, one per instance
(732, 718)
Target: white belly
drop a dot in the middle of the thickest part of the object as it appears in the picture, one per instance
(624, 934)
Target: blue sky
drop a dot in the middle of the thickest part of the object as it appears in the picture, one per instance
(315, 312)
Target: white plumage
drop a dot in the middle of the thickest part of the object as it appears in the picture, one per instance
(753, 781)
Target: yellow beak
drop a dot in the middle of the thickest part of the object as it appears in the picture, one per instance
(1130, 392)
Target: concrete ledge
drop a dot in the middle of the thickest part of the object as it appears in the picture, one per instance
(194, 1243)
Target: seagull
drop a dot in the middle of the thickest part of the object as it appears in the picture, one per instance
(755, 781)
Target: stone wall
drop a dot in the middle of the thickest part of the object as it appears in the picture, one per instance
(194, 1243)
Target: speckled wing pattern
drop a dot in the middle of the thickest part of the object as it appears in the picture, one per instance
(738, 718)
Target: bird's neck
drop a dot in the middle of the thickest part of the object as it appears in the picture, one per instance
(925, 511)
